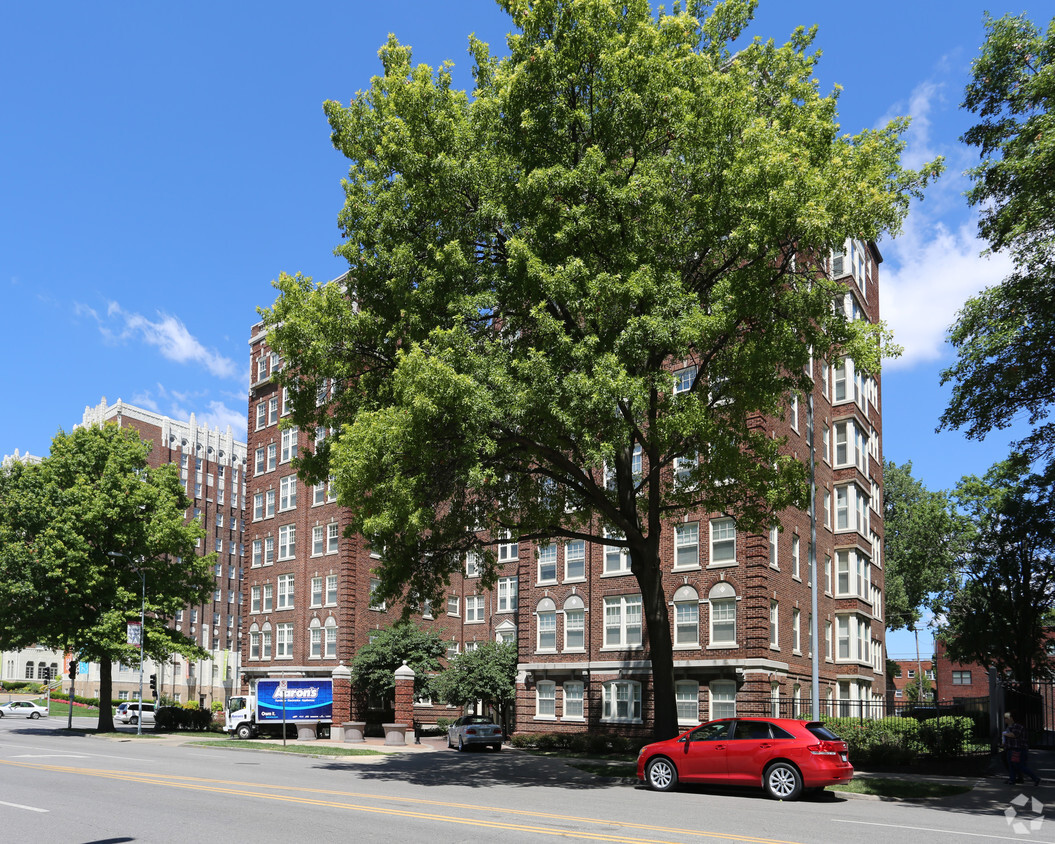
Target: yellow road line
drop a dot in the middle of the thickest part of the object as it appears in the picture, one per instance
(240, 790)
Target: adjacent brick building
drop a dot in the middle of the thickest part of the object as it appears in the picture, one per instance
(740, 605)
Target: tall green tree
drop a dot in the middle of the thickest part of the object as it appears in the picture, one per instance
(621, 196)
(486, 674)
(1004, 336)
(996, 615)
(79, 532)
(922, 537)
(374, 665)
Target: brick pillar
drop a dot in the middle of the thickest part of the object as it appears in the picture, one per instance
(405, 695)
(342, 694)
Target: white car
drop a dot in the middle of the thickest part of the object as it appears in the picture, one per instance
(22, 709)
(128, 713)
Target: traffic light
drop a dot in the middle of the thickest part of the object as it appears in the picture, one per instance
(154, 684)
(45, 674)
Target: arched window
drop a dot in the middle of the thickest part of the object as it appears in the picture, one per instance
(254, 641)
(265, 641)
(315, 639)
(574, 624)
(722, 598)
(329, 630)
(546, 614)
(686, 617)
(29, 670)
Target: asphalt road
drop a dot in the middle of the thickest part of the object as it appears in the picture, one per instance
(59, 787)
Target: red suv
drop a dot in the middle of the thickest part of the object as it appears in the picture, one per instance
(782, 755)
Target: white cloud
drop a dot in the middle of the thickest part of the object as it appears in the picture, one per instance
(219, 415)
(933, 270)
(171, 338)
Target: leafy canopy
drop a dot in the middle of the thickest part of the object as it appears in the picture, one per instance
(620, 196)
(1003, 335)
(922, 536)
(997, 613)
(375, 664)
(487, 673)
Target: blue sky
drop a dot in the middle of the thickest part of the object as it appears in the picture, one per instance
(160, 164)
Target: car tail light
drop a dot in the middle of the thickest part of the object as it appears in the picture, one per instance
(825, 748)
(470, 731)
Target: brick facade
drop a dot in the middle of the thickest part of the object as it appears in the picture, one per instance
(744, 602)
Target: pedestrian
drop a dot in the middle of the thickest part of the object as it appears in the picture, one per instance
(1014, 739)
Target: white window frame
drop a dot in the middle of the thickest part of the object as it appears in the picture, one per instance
(621, 702)
(686, 546)
(545, 700)
(723, 540)
(574, 704)
(619, 629)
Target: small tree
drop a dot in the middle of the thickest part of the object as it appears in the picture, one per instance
(82, 535)
(487, 674)
(374, 666)
(920, 689)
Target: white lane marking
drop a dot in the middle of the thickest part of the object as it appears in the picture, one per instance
(27, 808)
(942, 831)
(50, 756)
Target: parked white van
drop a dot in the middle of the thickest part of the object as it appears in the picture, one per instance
(129, 713)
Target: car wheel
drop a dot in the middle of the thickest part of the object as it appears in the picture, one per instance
(660, 774)
(245, 731)
(461, 745)
(133, 720)
(782, 781)
(34, 715)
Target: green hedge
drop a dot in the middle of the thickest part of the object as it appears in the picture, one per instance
(176, 718)
(592, 744)
(901, 741)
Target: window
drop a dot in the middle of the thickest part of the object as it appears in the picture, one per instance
(266, 601)
(723, 699)
(375, 587)
(272, 455)
(851, 446)
(575, 560)
(774, 554)
(285, 592)
(774, 624)
(318, 494)
(621, 701)
(796, 632)
(318, 542)
(272, 410)
(507, 594)
(961, 678)
(289, 444)
(687, 545)
(574, 624)
(287, 542)
(254, 643)
(795, 559)
(722, 599)
(683, 469)
(331, 589)
(454, 605)
(616, 559)
(254, 599)
(851, 509)
(547, 563)
(573, 701)
(472, 564)
(315, 634)
(284, 640)
(622, 621)
(828, 640)
(793, 411)
(316, 592)
(686, 617)
(265, 644)
(269, 550)
(545, 699)
(258, 506)
(474, 609)
(269, 503)
(546, 613)
(261, 415)
(287, 495)
(684, 379)
(723, 542)
(508, 552)
(333, 538)
(258, 464)
(258, 553)
(687, 694)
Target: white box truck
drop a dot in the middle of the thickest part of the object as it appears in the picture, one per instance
(275, 702)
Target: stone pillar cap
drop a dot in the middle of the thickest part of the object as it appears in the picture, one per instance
(404, 671)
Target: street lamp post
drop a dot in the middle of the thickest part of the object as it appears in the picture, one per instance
(142, 634)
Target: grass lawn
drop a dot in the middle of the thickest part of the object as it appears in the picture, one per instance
(900, 788)
(61, 709)
(302, 749)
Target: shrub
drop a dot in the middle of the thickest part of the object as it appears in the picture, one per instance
(901, 741)
(176, 718)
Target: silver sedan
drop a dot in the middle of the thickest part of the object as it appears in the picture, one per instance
(22, 709)
(474, 729)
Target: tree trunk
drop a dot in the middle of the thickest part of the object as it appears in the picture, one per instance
(106, 694)
(660, 648)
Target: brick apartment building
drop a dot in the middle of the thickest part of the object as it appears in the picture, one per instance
(908, 672)
(740, 605)
(212, 468)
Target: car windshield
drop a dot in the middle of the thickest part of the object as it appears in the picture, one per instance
(477, 719)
